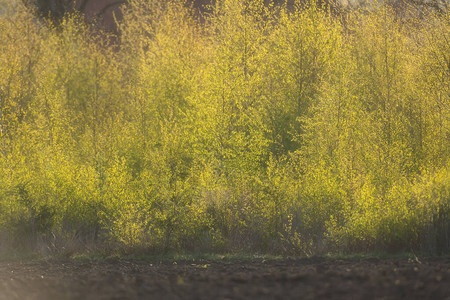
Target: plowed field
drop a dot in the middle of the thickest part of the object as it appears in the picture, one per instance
(227, 279)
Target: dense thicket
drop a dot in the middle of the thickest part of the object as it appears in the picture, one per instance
(262, 129)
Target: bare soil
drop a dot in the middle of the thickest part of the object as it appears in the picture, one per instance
(227, 279)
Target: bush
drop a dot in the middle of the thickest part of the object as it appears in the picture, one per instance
(258, 129)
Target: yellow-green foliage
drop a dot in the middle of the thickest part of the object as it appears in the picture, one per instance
(259, 128)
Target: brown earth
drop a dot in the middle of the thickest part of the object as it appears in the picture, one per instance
(227, 279)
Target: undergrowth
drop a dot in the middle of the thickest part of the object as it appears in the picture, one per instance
(260, 129)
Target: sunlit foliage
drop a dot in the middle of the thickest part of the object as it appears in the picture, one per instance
(259, 128)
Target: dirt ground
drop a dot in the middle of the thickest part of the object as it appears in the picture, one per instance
(227, 279)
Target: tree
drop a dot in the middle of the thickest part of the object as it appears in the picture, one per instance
(104, 12)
